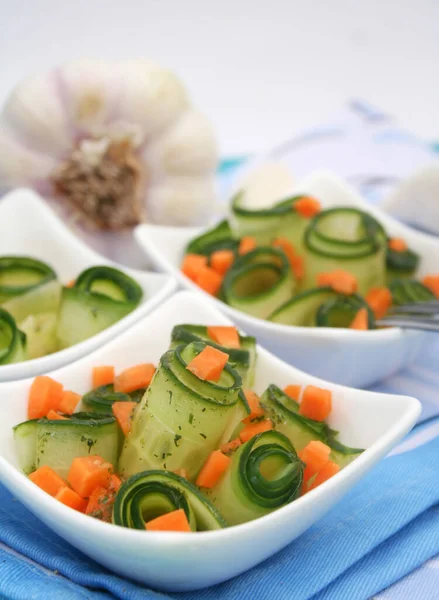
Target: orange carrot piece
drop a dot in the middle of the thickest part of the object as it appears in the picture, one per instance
(71, 283)
(328, 471)
(45, 393)
(100, 503)
(224, 336)
(361, 320)
(115, 483)
(298, 267)
(192, 263)
(209, 364)
(70, 498)
(183, 473)
(103, 375)
(134, 378)
(256, 409)
(172, 521)
(316, 403)
(285, 245)
(46, 479)
(221, 261)
(379, 300)
(89, 472)
(123, 411)
(307, 207)
(293, 391)
(432, 282)
(230, 446)
(208, 280)
(215, 466)
(315, 455)
(54, 416)
(253, 429)
(340, 281)
(69, 401)
(397, 245)
(246, 245)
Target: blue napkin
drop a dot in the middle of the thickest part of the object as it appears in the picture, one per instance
(383, 529)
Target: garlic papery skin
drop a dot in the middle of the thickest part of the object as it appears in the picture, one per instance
(61, 130)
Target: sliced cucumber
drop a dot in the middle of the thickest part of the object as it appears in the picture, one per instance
(13, 348)
(83, 434)
(406, 291)
(218, 238)
(83, 315)
(102, 398)
(264, 475)
(25, 439)
(45, 298)
(40, 332)
(110, 283)
(300, 430)
(348, 239)
(151, 494)
(341, 311)
(401, 264)
(181, 418)
(20, 274)
(259, 282)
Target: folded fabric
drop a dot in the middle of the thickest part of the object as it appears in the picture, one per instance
(355, 551)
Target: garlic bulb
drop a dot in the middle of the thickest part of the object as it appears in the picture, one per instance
(111, 144)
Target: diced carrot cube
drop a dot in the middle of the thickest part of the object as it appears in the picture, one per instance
(380, 300)
(192, 263)
(285, 245)
(222, 260)
(103, 375)
(215, 466)
(208, 364)
(328, 471)
(134, 378)
(224, 336)
(315, 455)
(246, 245)
(54, 416)
(172, 521)
(340, 281)
(253, 429)
(293, 391)
(45, 394)
(316, 403)
(209, 280)
(256, 409)
(70, 498)
(71, 283)
(307, 207)
(89, 472)
(69, 401)
(231, 446)
(432, 282)
(100, 504)
(123, 411)
(397, 245)
(46, 479)
(361, 320)
(298, 267)
(115, 483)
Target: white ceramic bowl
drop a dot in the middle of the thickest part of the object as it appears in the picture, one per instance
(29, 227)
(177, 561)
(357, 358)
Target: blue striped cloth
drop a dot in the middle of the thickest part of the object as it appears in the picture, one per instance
(381, 539)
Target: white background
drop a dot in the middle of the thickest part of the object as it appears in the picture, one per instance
(262, 69)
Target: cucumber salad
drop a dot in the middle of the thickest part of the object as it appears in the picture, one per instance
(39, 316)
(184, 446)
(296, 264)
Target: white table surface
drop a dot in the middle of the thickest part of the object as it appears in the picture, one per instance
(262, 69)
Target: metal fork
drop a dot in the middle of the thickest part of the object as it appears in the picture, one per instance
(419, 315)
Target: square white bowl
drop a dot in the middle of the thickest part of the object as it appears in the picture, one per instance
(29, 228)
(357, 358)
(177, 561)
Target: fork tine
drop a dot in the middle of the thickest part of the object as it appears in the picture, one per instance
(416, 308)
(410, 322)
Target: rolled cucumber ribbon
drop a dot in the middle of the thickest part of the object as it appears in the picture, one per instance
(12, 340)
(348, 239)
(151, 494)
(407, 291)
(182, 419)
(20, 274)
(259, 282)
(265, 474)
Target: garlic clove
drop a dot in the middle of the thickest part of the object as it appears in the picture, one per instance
(189, 147)
(182, 201)
(22, 166)
(152, 97)
(90, 92)
(35, 113)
